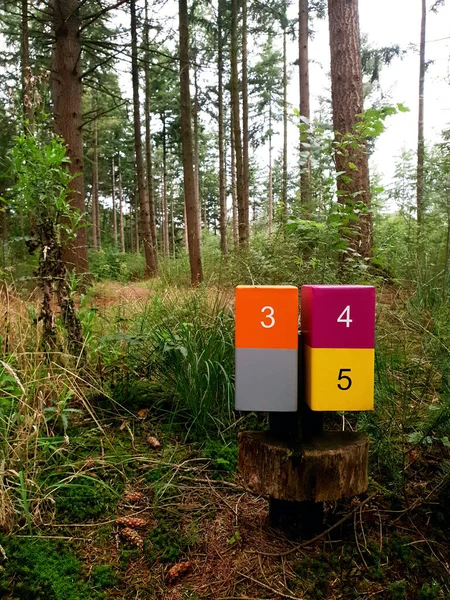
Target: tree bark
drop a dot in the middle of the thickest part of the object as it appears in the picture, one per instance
(165, 221)
(191, 205)
(121, 223)
(285, 122)
(234, 187)
(270, 190)
(347, 101)
(96, 235)
(146, 231)
(27, 87)
(222, 181)
(244, 229)
(420, 134)
(67, 111)
(305, 111)
(148, 141)
(113, 194)
(240, 194)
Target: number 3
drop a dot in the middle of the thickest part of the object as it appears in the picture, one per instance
(268, 316)
(346, 377)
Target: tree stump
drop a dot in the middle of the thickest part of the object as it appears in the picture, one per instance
(326, 467)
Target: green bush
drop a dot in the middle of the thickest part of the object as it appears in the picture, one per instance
(109, 263)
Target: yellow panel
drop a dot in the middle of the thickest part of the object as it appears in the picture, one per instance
(339, 378)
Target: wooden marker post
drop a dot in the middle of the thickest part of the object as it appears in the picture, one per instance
(297, 464)
(338, 324)
(266, 348)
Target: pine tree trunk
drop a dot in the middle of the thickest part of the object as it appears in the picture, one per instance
(303, 66)
(244, 229)
(165, 227)
(146, 231)
(96, 235)
(191, 205)
(121, 223)
(27, 87)
(113, 194)
(285, 123)
(67, 111)
(234, 187)
(196, 159)
(347, 102)
(222, 181)
(420, 135)
(240, 195)
(148, 140)
(270, 190)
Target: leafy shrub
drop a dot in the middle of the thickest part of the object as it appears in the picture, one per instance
(109, 263)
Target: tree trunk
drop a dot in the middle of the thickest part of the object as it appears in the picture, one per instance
(347, 101)
(303, 66)
(270, 190)
(196, 165)
(121, 224)
(234, 187)
(67, 112)
(96, 235)
(285, 122)
(146, 231)
(27, 87)
(113, 194)
(191, 205)
(222, 182)
(240, 196)
(165, 220)
(244, 230)
(148, 140)
(420, 135)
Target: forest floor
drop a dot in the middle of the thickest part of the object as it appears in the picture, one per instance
(156, 516)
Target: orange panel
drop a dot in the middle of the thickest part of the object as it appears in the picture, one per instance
(267, 317)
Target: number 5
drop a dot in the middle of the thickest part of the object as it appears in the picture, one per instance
(268, 316)
(346, 377)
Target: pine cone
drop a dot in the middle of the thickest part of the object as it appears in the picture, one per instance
(134, 497)
(132, 537)
(134, 522)
(153, 442)
(178, 570)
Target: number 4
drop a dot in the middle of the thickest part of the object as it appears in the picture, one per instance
(344, 317)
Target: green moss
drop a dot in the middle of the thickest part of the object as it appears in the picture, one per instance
(39, 569)
(83, 498)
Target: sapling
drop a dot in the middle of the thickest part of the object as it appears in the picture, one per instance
(41, 190)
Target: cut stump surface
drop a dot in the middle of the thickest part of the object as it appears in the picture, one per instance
(328, 467)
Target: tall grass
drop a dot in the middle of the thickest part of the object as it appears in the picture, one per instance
(38, 392)
(184, 340)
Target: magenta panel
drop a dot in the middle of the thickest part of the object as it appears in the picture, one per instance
(338, 316)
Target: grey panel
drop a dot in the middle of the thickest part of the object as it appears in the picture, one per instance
(266, 380)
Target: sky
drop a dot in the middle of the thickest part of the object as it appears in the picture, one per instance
(390, 22)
